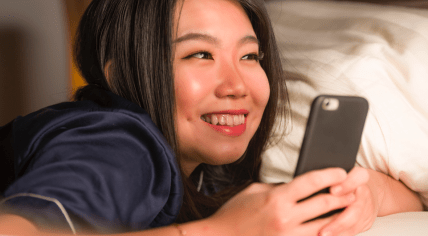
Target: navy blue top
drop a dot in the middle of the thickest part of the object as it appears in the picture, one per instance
(86, 167)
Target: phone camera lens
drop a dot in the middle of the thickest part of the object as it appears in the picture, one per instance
(327, 102)
(330, 104)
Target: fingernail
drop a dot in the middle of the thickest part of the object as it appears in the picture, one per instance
(328, 233)
(336, 190)
(352, 198)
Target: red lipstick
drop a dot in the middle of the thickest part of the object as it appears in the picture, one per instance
(232, 131)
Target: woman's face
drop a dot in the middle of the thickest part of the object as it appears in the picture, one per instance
(221, 89)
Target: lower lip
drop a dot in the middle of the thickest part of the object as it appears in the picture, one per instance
(228, 130)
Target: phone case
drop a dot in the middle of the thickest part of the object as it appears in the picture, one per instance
(333, 135)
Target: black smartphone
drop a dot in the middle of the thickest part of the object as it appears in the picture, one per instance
(333, 135)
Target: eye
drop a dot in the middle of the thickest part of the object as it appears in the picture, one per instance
(253, 56)
(201, 55)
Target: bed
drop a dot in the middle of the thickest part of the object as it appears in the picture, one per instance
(378, 51)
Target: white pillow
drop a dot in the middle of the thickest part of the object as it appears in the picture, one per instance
(400, 224)
(378, 52)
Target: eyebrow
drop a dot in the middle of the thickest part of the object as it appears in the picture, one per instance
(248, 39)
(213, 40)
(197, 36)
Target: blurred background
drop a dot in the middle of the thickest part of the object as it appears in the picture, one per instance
(36, 66)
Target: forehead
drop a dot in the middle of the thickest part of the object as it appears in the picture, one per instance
(201, 14)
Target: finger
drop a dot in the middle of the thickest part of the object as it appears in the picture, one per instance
(353, 219)
(340, 224)
(356, 177)
(311, 182)
(313, 227)
(321, 204)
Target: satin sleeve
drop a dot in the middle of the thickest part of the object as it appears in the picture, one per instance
(100, 170)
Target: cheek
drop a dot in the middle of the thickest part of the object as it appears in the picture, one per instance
(264, 96)
(260, 89)
(190, 90)
(185, 92)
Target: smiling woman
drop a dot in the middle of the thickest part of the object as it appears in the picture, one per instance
(180, 104)
(101, 162)
(218, 77)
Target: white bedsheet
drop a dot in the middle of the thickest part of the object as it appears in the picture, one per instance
(378, 52)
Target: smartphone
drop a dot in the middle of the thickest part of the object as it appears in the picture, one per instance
(333, 135)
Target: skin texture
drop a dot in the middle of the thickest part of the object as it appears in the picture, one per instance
(261, 209)
(231, 81)
(381, 196)
(216, 69)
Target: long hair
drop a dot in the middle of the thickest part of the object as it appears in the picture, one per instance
(232, 178)
(136, 37)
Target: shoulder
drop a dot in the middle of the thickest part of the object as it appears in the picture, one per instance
(106, 163)
(123, 126)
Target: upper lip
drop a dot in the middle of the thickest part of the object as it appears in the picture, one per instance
(230, 112)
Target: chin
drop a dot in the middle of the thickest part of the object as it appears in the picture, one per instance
(223, 159)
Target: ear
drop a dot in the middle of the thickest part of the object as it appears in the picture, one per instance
(107, 71)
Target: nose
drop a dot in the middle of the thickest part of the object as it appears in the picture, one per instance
(232, 83)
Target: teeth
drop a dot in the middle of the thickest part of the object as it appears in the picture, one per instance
(236, 120)
(229, 120)
(214, 120)
(224, 119)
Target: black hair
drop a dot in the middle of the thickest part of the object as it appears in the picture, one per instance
(135, 36)
(234, 177)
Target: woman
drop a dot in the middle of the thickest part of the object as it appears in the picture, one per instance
(206, 74)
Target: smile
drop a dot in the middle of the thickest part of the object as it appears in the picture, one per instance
(230, 123)
(224, 119)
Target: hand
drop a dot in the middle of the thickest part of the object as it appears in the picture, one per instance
(360, 215)
(264, 209)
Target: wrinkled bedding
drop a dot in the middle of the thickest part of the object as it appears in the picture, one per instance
(378, 52)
